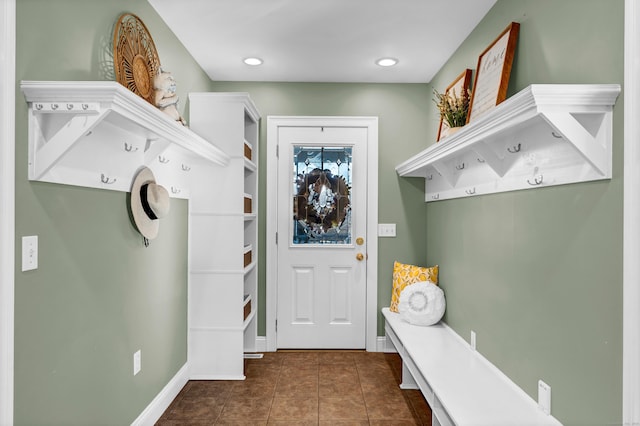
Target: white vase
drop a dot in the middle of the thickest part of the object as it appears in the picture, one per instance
(449, 131)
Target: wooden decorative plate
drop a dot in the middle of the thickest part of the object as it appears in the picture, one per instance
(135, 57)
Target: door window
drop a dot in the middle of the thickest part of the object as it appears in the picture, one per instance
(321, 195)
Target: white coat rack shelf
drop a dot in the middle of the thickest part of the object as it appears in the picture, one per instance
(544, 135)
(98, 134)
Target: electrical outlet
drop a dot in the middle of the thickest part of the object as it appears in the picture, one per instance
(544, 397)
(386, 230)
(30, 253)
(137, 362)
(473, 340)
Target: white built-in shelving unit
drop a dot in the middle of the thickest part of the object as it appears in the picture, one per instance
(224, 239)
(97, 134)
(544, 135)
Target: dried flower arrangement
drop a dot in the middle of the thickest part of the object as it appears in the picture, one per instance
(453, 108)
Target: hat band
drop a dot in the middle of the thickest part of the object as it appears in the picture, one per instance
(145, 203)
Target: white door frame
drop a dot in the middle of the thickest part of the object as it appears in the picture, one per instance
(631, 219)
(7, 205)
(371, 123)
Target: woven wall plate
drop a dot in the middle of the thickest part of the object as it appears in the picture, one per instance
(135, 57)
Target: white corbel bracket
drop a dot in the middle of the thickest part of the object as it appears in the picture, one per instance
(50, 137)
(589, 136)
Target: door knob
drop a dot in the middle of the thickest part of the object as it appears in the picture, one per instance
(360, 256)
(359, 241)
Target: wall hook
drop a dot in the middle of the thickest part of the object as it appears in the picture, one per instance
(107, 179)
(430, 177)
(130, 148)
(470, 191)
(163, 160)
(537, 180)
(515, 149)
(480, 160)
(175, 190)
(186, 168)
(435, 197)
(460, 166)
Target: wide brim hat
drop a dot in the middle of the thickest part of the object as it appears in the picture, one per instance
(149, 203)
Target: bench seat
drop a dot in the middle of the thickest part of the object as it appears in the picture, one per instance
(461, 387)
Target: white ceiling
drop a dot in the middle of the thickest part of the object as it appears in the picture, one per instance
(321, 40)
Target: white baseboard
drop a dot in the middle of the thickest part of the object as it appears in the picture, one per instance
(261, 344)
(381, 345)
(384, 345)
(161, 402)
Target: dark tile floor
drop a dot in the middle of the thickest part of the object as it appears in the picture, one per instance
(304, 388)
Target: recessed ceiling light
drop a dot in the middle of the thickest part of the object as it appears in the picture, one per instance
(387, 62)
(253, 61)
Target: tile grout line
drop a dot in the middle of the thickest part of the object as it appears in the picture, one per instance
(318, 390)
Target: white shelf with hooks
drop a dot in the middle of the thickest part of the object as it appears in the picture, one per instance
(98, 133)
(544, 135)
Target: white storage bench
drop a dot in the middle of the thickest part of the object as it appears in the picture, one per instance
(461, 387)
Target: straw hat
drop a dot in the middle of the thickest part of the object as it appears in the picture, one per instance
(149, 203)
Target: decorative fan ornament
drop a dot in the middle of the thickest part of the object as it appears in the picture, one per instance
(135, 57)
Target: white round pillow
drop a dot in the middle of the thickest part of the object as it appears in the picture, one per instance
(421, 303)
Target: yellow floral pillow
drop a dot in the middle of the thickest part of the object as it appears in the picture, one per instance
(404, 275)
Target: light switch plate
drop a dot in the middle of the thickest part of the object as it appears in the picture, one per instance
(30, 253)
(544, 397)
(386, 230)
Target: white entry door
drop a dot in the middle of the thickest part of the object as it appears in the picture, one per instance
(322, 240)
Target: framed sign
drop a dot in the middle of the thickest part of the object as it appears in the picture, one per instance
(493, 71)
(459, 88)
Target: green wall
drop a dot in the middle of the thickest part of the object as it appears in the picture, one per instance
(98, 294)
(402, 125)
(538, 274)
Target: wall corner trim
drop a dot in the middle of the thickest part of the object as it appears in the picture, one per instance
(631, 219)
(7, 207)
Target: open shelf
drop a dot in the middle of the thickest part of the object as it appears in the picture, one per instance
(250, 267)
(98, 134)
(250, 166)
(250, 318)
(544, 135)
